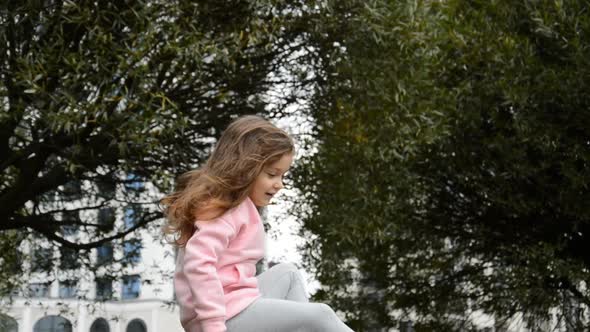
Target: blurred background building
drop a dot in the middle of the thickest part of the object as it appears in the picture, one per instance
(122, 286)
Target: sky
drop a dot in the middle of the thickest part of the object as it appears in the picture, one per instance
(282, 238)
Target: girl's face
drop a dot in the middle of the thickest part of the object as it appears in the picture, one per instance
(270, 180)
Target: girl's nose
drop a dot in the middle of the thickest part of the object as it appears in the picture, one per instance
(279, 185)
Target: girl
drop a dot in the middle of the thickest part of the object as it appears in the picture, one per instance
(214, 215)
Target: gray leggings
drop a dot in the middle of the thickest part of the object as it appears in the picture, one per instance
(284, 307)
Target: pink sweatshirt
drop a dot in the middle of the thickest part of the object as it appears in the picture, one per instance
(215, 271)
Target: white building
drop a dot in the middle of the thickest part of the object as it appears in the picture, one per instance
(143, 301)
(47, 315)
(69, 299)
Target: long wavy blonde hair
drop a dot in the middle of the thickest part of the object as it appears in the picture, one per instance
(247, 145)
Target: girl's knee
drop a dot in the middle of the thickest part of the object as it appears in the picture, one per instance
(322, 312)
(320, 317)
(325, 309)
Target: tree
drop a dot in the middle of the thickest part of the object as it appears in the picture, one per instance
(98, 98)
(451, 166)
(508, 184)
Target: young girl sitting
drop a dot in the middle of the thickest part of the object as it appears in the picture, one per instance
(216, 222)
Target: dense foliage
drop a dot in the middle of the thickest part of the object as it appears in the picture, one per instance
(451, 174)
(103, 103)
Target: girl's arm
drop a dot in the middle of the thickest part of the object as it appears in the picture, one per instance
(199, 266)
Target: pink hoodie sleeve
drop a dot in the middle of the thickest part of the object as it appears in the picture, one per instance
(200, 258)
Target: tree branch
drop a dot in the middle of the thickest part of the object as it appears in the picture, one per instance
(50, 234)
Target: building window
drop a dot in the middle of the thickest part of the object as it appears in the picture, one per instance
(71, 190)
(100, 325)
(131, 216)
(134, 183)
(104, 288)
(67, 289)
(406, 326)
(52, 324)
(106, 188)
(38, 289)
(106, 219)
(8, 324)
(136, 325)
(42, 259)
(104, 254)
(69, 258)
(131, 247)
(72, 222)
(132, 251)
(13, 261)
(131, 287)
